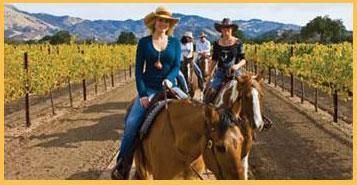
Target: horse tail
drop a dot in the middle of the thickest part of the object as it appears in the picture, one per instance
(141, 166)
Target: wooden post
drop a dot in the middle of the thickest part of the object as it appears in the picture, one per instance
(52, 103)
(291, 85)
(275, 76)
(130, 71)
(84, 85)
(105, 82)
(269, 81)
(291, 74)
(282, 82)
(316, 103)
(335, 106)
(302, 91)
(84, 89)
(70, 92)
(27, 90)
(95, 85)
(112, 77)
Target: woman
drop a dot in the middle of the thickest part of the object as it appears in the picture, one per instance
(186, 52)
(160, 54)
(228, 53)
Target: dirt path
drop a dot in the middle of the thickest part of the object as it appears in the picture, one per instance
(82, 144)
(300, 146)
(78, 145)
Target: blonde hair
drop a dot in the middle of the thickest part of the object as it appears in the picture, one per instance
(169, 32)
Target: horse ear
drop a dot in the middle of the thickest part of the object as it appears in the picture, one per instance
(260, 75)
(211, 114)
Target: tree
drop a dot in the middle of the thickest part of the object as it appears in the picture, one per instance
(61, 37)
(239, 34)
(324, 30)
(126, 38)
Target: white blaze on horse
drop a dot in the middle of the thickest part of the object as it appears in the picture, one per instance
(189, 135)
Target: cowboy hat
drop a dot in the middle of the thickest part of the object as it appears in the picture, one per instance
(161, 12)
(226, 23)
(203, 34)
(188, 34)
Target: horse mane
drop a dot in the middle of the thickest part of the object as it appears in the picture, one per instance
(226, 119)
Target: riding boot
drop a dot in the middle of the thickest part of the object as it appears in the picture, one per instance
(121, 170)
(267, 122)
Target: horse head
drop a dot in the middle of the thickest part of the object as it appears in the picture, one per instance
(248, 104)
(222, 154)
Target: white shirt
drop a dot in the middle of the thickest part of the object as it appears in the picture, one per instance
(186, 50)
(203, 47)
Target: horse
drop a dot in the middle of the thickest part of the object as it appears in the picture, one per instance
(247, 88)
(194, 82)
(180, 146)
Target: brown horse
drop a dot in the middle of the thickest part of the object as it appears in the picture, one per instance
(196, 92)
(188, 131)
(248, 90)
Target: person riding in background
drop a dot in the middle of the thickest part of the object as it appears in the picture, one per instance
(228, 55)
(203, 49)
(186, 52)
(157, 63)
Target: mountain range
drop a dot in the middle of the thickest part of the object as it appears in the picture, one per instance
(23, 26)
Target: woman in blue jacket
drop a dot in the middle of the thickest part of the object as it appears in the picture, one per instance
(157, 63)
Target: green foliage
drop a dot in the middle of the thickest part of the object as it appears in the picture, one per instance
(324, 30)
(126, 38)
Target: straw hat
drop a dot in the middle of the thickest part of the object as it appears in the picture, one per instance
(226, 23)
(188, 34)
(161, 12)
(203, 34)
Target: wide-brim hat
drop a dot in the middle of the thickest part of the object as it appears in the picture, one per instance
(161, 12)
(203, 34)
(226, 23)
(188, 34)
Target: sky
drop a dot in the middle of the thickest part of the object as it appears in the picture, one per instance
(292, 13)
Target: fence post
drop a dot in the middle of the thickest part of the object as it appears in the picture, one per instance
(335, 106)
(27, 90)
(302, 91)
(316, 103)
(70, 92)
(291, 75)
(130, 71)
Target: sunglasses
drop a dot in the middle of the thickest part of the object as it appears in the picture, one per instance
(163, 20)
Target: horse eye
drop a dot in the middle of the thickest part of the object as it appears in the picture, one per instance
(221, 148)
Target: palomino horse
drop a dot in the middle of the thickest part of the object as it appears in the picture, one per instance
(188, 131)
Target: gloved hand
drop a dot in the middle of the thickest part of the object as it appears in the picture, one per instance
(167, 83)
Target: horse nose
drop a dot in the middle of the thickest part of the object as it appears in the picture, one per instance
(260, 125)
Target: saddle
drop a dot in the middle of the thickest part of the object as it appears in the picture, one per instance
(157, 103)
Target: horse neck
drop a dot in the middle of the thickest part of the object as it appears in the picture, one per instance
(188, 124)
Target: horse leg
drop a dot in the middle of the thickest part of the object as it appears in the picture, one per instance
(245, 166)
(141, 166)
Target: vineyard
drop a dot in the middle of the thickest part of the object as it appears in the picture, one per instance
(37, 70)
(84, 138)
(326, 68)
(50, 67)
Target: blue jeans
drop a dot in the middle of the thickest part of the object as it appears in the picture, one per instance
(133, 123)
(219, 76)
(181, 81)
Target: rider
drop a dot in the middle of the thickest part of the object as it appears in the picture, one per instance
(228, 52)
(160, 54)
(203, 49)
(186, 52)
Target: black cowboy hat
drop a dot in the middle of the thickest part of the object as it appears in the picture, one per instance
(226, 22)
